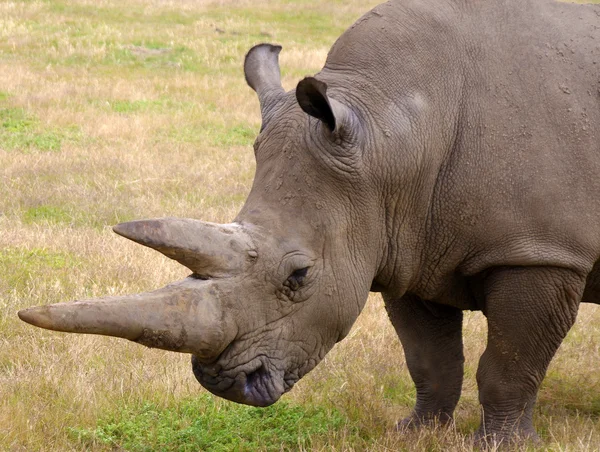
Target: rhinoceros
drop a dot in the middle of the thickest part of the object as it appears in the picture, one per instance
(447, 155)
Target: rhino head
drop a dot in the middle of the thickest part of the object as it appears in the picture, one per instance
(272, 292)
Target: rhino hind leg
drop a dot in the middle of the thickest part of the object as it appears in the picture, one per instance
(591, 294)
(431, 336)
(529, 312)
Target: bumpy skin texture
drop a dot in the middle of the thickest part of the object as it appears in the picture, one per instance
(472, 182)
(482, 153)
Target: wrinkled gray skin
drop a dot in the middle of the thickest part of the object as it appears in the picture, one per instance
(448, 156)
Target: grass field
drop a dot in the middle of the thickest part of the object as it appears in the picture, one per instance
(115, 110)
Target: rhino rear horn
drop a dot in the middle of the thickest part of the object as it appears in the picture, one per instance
(208, 249)
(261, 69)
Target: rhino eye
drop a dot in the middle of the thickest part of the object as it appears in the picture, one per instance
(296, 279)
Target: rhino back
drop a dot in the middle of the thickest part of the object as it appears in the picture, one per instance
(492, 108)
(527, 160)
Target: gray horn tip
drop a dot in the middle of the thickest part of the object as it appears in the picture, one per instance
(36, 316)
(140, 231)
(123, 229)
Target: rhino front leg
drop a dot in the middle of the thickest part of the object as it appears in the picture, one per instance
(529, 312)
(431, 335)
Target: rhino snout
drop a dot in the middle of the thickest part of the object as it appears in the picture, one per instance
(257, 383)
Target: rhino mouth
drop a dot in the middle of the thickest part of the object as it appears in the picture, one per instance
(257, 383)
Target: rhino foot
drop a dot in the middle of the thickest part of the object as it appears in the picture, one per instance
(416, 421)
(516, 438)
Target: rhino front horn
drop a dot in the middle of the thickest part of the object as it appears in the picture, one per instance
(183, 317)
(208, 249)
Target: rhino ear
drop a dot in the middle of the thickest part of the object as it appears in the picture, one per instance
(312, 97)
(261, 69)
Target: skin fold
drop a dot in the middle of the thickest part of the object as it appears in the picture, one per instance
(447, 156)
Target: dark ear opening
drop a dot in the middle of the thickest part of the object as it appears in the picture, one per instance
(312, 97)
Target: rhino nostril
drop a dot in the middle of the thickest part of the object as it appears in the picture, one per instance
(255, 376)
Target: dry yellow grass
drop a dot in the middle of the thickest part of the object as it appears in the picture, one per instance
(113, 111)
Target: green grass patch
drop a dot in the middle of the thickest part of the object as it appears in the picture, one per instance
(240, 135)
(148, 40)
(21, 131)
(72, 216)
(132, 14)
(214, 134)
(399, 390)
(18, 266)
(47, 213)
(203, 423)
(290, 19)
(126, 106)
(211, 199)
(151, 56)
(147, 105)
